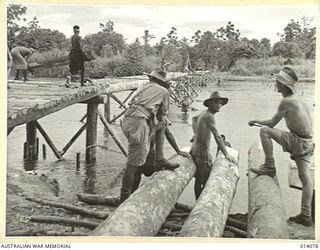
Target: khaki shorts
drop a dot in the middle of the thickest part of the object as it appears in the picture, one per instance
(298, 147)
(137, 132)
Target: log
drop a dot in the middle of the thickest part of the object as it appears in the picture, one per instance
(64, 221)
(183, 207)
(172, 226)
(266, 215)
(178, 215)
(236, 231)
(75, 209)
(209, 215)
(236, 223)
(98, 199)
(145, 211)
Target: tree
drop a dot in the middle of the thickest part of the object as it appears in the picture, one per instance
(302, 34)
(14, 14)
(228, 33)
(107, 27)
(41, 39)
(133, 64)
(96, 42)
(286, 49)
(265, 46)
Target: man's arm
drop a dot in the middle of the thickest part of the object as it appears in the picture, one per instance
(282, 109)
(212, 126)
(173, 143)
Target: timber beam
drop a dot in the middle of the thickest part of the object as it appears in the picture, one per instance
(210, 213)
(145, 211)
(266, 216)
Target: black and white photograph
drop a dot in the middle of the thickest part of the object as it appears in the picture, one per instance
(162, 122)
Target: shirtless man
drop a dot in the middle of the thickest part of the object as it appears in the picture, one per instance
(203, 125)
(298, 142)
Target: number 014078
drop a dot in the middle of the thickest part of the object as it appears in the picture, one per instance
(310, 245)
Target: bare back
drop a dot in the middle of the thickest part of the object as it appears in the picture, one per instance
(297, 115)
(201, 144)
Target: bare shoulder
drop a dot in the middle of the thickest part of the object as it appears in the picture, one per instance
(208, 116)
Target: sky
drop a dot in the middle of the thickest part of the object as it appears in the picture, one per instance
(131, 21)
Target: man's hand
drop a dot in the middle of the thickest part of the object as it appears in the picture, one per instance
(232, 159)
(184, 154)
(252, 122)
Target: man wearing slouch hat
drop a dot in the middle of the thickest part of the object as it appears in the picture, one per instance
(144, 120)
(297, 141)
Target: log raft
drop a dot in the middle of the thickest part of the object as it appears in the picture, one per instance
(145, 211)
(266, 216)
(209, 215)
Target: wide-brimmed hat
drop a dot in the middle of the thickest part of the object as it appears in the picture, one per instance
(285, 79)
(158, 74)
(214, 96)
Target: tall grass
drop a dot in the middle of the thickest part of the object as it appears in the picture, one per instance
(261, 66)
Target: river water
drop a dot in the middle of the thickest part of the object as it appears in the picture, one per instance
(247, 100)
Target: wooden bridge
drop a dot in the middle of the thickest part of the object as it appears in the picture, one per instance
(32, 100)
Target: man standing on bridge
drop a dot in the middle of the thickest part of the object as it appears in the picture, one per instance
(148, 107)
(298, 142)
(77, 56)
(203, 125)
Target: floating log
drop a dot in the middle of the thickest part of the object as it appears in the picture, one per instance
(209, 215)
(236, 231)
(144, 212)
(172, 226)
(64, 221)
(43, 232)
(266, 215)
(183, 207)
(178, 215)
(236, 223)
(75, 209)
(98, 199)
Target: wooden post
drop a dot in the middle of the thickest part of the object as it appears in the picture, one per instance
(145, 211)
(107, 109)
(25, 150)
(44, 151)
(209, 215)
(48, 140)
(31, 140)
(266, 215)
(91, 137)
(114, 136)
(78, 160)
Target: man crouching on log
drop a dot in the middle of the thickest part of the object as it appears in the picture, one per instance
(148, 107)
(298, 142)
(203, 125)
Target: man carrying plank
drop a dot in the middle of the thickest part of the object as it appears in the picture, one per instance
(298, 142)
(203, 125)
(20, 56)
